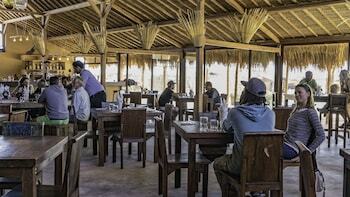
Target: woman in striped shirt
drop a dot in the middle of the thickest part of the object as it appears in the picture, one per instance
(303, 124)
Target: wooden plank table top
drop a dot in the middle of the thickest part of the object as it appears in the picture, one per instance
(23, 157)
(102, 115)
(346, 182)
(191, 133)
(23, 105)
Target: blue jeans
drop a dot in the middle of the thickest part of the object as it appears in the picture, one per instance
(288, 152)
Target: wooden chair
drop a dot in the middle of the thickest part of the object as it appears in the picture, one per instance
(282, 116)
(168, 122)
(133, 123)
(5, 108)
(261, 168)
(135, 97)
(15, 116)
(168, 163)
(307, 171)
(208, 104)
(70, 186)
(18, 129)
(58, 130)
(338, 106)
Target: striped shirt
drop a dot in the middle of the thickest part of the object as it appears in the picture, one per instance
(302, 125)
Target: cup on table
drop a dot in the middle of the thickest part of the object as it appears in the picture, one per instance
(214, 125)
(203, 123)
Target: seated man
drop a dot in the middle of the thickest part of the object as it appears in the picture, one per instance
(212, 93)
(41, 84)
(167, 94)
(252, 115)
(56, 101)
(81, 101)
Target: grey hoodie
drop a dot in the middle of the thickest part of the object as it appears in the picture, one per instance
(244, 119)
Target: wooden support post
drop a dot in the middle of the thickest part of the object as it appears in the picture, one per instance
(152, 64)
(278, 76)
(228, 83)
(127, 74)
(119, 67)
(103, 68)
(44, 24)
(250, 61)
(164, 76)
(349, 56)
(198, 107)
(103, 23)
(183, 72)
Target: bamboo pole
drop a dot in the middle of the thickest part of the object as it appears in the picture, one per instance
(103, 24)
(228, 84)
(152, 74)
(127, 74)
(236, 84)
(250, 61)
(183, 72)
(119, 67)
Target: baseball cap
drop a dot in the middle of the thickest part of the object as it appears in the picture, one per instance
(255, 86)
(171, 82)
(78, 64)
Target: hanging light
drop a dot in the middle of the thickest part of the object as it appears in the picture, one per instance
(20, 39)
(67, 58)
(14, 40)
(27, 38)
(53, 58)
(59, 59)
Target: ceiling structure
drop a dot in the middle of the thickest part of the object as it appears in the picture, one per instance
(289, 22)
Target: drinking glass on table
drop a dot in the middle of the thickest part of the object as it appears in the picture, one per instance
(203, 123)
(214, 125)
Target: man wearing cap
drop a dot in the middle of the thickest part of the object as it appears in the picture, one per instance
(92, 86)
(252, 115)
(212, 93)
(309, 81)
(167, 94)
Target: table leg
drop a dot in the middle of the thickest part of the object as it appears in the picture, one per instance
(101, 143)
(29, 182)
(177, 151)
(181, 111)
(346, 182)
(58, 169)
(191, 175)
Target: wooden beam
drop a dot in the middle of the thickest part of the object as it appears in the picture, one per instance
(263, 28)
(141, 51)
(127, 14)
(236, 45)
(169, 39)
(311, 40)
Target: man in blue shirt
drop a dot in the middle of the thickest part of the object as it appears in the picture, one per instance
(56, 101)
(92, 86)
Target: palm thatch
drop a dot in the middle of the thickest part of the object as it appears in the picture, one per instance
(98, 39)
(39, 43)
(324, 57)
(83, 43)
(245, 28)
(147, 34)
(193, 23)
(240, 57)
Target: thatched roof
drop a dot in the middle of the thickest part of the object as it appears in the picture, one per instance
(288, 19)
(322, 56)
(240, 57)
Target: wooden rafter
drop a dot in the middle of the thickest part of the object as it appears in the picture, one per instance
(318, 22)
(304, 6)
(291, 24)
(237, 45)
(303, 23)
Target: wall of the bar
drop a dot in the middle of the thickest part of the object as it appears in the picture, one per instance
(10, 60)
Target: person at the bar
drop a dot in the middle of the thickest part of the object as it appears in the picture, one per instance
(252, 115)
(92, 85)
(81, 100)
(24, 87)
(67, 84)
(167, 94)
(303, 124)
(310, 81)
(39, 87)
(56, 101)
(212, 93)
(344, 81)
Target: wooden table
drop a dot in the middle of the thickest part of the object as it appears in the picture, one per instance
(191, 133)
(23, 157)
(23, 105)
(346, 183)
(102, 115)
(321, 99)
(181, 103)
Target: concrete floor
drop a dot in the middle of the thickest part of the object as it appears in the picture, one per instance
(134, 180)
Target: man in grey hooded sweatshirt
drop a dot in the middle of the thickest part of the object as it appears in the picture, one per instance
(252, 115)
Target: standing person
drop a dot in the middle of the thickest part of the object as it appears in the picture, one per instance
(303, 124)
(67, 84)
(252, 115)
(212, 93)
(24, 89)
(56, 101)
(309, 81)
(81, 101)
(92, 86)
(167, 94)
